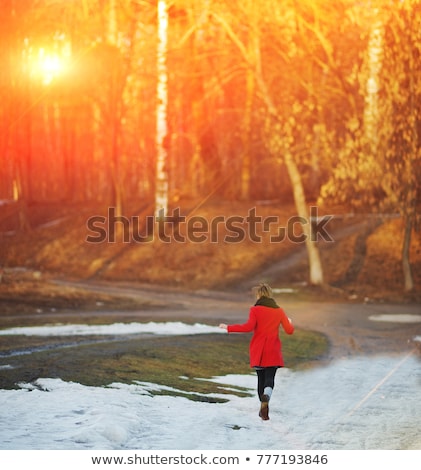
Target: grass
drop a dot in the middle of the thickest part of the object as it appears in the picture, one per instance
(176, 362)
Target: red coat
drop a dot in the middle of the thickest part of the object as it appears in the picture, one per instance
(265, 345)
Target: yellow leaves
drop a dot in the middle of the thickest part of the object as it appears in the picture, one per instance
(353, 124)
(352, 77)
(290, 122)
(297, 107)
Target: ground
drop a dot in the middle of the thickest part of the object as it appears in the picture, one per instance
(361, 262)
(349, 379)
(51, 274)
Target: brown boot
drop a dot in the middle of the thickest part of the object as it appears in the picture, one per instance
(264, 408)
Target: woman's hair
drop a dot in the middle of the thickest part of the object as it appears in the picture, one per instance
(263, 290)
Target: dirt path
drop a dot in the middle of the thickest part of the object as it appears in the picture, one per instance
(347, 325)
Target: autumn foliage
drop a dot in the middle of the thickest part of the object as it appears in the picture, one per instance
(310, 101)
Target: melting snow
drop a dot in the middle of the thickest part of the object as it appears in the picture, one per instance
(399, 318)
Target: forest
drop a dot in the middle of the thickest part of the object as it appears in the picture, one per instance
(146, 103)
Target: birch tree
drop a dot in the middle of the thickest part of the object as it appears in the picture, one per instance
(379, 163)
(375, 56)
(161, 189)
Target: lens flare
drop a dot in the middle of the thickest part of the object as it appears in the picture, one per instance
(50, 66)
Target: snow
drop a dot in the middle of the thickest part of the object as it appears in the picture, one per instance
(165, 328)
(353, 403)
(399, 318)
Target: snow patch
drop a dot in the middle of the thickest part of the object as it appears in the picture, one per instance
(399, 318)
(284, 290)
(115, 329)
(354, 403)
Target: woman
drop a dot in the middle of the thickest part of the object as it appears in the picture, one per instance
(264, 320)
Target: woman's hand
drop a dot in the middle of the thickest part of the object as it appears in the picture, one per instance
(223, 326)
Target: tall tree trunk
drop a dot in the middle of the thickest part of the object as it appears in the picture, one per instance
(411, 197)
(406, 266)
(18, 121)
(315, 265)
(161, 189)
(116, 170)
(253, 50)
(21, 184)
(246, 159)
(314, 260)
(374, 64)
(115, 120)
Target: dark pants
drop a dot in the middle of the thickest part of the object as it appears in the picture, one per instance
(265, 378)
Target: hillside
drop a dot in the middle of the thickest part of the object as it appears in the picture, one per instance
(220, 246)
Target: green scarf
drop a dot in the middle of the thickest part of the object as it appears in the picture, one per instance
(267, 302)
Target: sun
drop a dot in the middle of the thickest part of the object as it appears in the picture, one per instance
(50, 66)
(46, 66)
